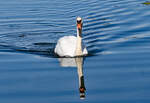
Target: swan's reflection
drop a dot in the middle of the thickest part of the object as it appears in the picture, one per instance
(76, 62)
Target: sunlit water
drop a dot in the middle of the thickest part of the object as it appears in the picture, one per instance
(116, 34)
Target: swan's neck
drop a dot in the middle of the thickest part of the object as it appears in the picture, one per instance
(79, 43)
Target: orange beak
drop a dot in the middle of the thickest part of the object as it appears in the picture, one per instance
(79, 26)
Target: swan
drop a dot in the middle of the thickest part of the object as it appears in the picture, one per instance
(71, 46)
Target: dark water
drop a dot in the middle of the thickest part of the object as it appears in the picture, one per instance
(116, 33)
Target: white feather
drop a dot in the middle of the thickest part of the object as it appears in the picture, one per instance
(66, 46)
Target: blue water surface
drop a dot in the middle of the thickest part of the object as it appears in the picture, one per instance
(115, 32)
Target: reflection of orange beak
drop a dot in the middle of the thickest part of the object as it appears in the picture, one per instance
(82, 93)
(82, 90)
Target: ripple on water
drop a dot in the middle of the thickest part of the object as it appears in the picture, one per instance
(116, 33)
(105, 22)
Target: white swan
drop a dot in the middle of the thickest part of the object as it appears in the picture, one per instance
(71, 46)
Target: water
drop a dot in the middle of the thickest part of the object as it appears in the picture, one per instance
(116, 33)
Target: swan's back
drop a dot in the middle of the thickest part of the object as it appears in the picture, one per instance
(66, 46)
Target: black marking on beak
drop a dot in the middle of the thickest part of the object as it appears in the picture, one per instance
(79, 21)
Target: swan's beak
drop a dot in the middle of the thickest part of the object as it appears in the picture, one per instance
(79, 26)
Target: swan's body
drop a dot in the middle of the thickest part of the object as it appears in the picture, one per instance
(71, 46)
(66, 46)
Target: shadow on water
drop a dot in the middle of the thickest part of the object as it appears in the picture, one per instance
(42, 49)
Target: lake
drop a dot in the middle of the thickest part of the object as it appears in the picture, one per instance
(116, 34)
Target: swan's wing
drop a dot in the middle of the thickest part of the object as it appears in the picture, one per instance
(85, 52)
(66, 46)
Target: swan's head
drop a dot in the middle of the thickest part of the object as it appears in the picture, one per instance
(79, 25)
